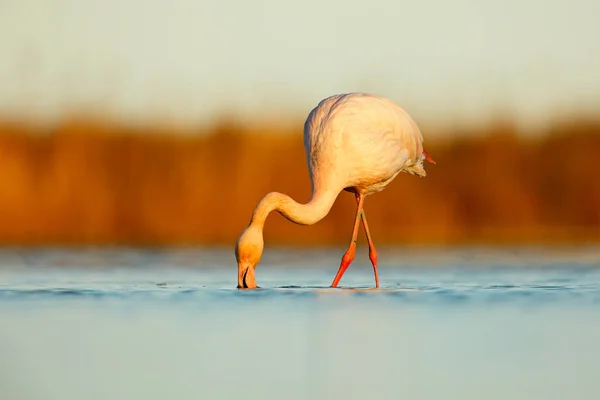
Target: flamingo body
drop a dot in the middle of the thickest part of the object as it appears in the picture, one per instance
(354, 142)
(360, 142)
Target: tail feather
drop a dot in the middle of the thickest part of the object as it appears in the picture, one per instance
(417, 169)
(427, 157)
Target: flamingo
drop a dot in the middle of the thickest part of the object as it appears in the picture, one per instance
(354, 142)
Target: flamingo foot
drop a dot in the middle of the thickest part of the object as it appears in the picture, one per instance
(347, 259)
(373, 258)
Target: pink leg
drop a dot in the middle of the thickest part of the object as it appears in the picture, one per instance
(348, 257)
(372, 251)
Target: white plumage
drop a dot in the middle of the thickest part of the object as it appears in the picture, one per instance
(354, 142)
(361, 141)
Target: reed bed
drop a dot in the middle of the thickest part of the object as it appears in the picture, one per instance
(88, 182)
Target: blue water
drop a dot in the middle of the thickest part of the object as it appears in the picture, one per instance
(139, 324)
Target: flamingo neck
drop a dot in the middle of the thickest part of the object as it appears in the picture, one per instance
(303, 214)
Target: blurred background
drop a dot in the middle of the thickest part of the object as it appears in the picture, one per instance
(155, 123)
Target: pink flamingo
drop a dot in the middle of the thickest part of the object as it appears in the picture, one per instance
(354, 142)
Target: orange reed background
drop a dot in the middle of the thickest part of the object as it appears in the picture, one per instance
(87, 182)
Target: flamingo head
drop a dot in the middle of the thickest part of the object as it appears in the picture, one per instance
(248, 252)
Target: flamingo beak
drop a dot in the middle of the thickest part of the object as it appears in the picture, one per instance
(427, 157)
(246, 277)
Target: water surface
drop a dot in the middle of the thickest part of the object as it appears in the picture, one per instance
(466, 323)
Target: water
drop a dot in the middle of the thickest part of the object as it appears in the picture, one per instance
(460, 324)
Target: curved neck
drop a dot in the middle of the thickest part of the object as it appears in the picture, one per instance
(304, 214)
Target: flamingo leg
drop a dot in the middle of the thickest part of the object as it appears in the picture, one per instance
(372, 250)
(348, 257)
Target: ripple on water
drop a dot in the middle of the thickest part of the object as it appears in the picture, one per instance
(420, 287)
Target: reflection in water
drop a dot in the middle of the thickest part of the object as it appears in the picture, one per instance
(128, 329)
